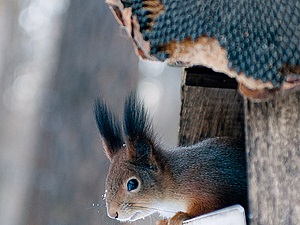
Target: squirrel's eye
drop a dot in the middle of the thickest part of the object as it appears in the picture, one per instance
(132, 184)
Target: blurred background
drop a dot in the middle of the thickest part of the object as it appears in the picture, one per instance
(56, 56)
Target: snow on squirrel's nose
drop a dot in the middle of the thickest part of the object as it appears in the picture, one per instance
(112, 214)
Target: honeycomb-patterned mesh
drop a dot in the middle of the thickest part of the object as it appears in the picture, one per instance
(260, 36)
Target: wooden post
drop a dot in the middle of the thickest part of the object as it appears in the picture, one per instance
(211, 106)
(273, 152)
(272, 142)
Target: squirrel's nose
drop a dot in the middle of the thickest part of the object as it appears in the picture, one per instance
(113, 215)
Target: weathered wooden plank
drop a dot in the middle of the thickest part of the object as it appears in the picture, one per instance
(209, 112)
(273, 152)
(233, 215)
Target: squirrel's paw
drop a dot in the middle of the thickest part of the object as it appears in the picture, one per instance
(162, 222)
(178, 218)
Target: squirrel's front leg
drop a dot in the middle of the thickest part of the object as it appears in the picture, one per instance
(177, 219)
(162, 222)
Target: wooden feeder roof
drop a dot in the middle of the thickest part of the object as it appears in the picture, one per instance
(257, 42)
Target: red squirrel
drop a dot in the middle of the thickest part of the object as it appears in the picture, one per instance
(178, 183)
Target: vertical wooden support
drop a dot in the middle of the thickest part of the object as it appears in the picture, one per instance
(211, 106)
(273, 152)
(272, 141)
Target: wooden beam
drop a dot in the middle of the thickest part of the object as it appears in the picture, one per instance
(233, 215)
(209, 112)
(273, 152)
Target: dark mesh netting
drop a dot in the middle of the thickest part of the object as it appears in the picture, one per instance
(260, 36)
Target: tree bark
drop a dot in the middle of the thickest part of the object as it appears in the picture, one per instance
(273, 152)
(209, 112)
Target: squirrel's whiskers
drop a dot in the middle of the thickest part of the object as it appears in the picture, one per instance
(180, 183)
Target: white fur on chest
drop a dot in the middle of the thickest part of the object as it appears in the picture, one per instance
(168, 208)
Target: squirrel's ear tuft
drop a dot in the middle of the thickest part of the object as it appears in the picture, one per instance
(109, 127)
(137, 124)
(138, 130)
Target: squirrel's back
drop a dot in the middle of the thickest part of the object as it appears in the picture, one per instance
(216, 167)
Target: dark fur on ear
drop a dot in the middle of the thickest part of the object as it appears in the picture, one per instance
(139, 132)
(109, 127)
(137, 124)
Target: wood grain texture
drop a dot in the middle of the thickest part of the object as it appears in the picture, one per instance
(273, 152)
(209, 112)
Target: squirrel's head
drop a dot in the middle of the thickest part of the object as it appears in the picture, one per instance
(134, 177)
